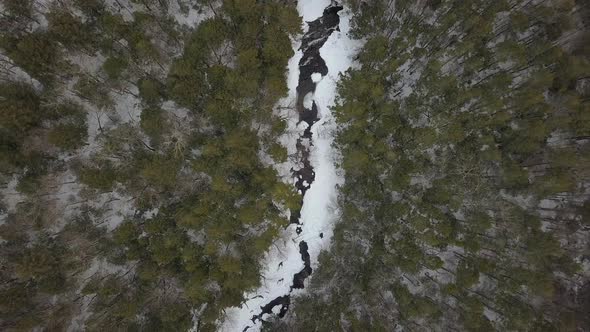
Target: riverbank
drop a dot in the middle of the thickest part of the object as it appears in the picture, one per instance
(324, 52)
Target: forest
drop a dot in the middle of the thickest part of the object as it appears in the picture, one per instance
(464, 136)
(129, 144)
(143, 158)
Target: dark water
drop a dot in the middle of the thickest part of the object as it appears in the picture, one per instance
(311, 62)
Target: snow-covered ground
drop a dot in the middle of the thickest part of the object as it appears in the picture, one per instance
(318, 212)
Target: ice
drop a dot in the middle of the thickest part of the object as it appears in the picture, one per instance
(308, 101)
(319, 211)
(312, 9)
(316, 77)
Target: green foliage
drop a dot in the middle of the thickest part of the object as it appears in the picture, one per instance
(150, 90)
(161, 171)
(23, 117)
(69, 30)
(68, 136)
(91, 90)
(114, 67)
(201, 183)
(29, 179)
(35, 53)
(153, 123)
(71, 130)
(203, 209)
(91, 8)
(19, 107)
(278, 152)
(21, 8)
(42, 264)
(453, 129)
(101, 175)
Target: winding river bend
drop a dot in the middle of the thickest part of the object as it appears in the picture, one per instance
(311, 68)
(310, 65)
(313, 73)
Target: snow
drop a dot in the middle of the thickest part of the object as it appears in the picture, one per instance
(308, 101)
(191, 17)
(116, 206)
(14, 73)
(11, 196)
(524, 202)
(312, 9)
(96, 268)
(286, 110)
(128, 106)
(316, 77)
(87, 63)
(63, 199)
(319, 211)
(277, 280)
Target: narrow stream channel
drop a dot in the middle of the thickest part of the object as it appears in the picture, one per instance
(324, 52)
(311, 69)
